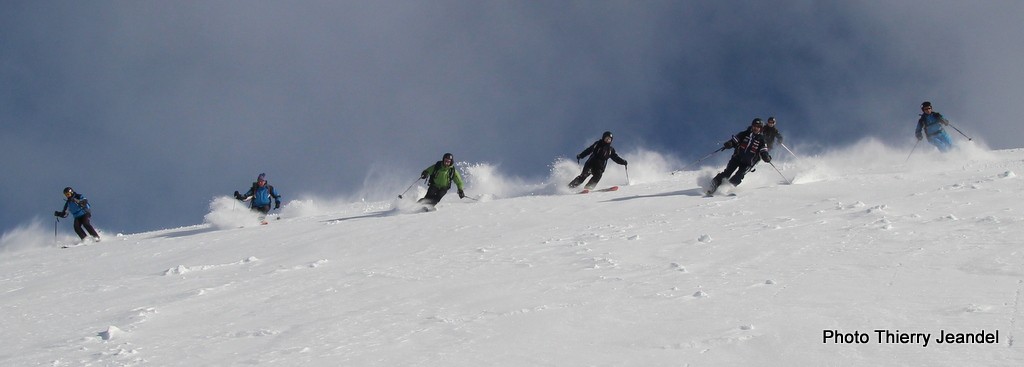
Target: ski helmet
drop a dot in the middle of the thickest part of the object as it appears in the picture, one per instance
(68, 191)
(607, 134)
(771, 119)
(261, 177)
(926, 104)
(757, 122)
(448, 156)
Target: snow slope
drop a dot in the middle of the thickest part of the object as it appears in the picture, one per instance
(651, 275)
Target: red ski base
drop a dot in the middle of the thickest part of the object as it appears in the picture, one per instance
(613, 188)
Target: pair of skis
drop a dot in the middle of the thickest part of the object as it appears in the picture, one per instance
(714, 189)
(710, 193)
(586, 191)
(83, 242)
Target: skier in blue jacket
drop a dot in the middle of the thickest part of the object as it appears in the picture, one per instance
(260, 195)
(81, 210)
(931, 124)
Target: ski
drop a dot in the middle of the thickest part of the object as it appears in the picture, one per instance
(724, 189)
(83, 242)
(613, 188)
(265, 219)
(711, 194)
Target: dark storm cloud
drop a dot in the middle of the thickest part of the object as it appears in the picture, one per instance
(151, 108)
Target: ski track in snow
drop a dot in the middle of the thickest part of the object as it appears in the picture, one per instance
(1015, 316)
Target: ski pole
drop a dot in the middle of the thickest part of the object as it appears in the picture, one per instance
(410, 187)
(702, 159)
(961, 132)
(55, 230)
(790, 151)
(912, 151)
(627, 174)
(788, 182)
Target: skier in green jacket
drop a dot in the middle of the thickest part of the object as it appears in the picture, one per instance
(439, 178)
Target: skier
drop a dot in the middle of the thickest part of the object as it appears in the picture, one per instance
(749, 145)
(771, 133)
(82, 212)
(599, 153)
(439, 178)
(931, 124)
(260, 194)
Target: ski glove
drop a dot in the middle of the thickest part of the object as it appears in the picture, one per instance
(423, 176)
(766, 158)
(919, 137)
(624, 162)
(277, 204)
(462, 194)
(60, 214)
(238, 196)
(729, 144)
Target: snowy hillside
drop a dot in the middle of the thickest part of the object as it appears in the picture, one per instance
(531, 275)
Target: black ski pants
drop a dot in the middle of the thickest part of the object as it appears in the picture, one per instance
(433, 196)
(739, 166)
(84, 221)
(587, 171)
(262, 208)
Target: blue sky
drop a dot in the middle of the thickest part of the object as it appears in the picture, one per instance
(153, 108)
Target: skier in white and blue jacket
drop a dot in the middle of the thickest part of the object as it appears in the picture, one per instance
(260, 195)
(81, 211)
(931, 124)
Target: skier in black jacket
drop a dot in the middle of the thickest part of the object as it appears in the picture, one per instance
(599, 153)
(749, 145)
(772, 135)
